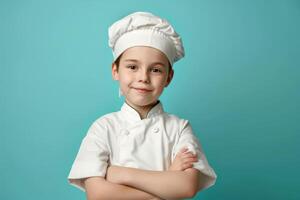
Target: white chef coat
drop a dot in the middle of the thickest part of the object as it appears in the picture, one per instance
(122, 138)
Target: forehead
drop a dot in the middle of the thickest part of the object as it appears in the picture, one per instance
(144, 54)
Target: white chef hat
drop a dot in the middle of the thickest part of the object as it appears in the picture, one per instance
(145, 29)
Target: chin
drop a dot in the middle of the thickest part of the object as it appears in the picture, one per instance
(143, 103)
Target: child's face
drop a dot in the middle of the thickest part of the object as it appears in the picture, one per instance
(143, 74)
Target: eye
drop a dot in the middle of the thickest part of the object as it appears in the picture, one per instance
(156, 70)
(132, 67)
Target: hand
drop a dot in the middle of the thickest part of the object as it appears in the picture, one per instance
(183, 160)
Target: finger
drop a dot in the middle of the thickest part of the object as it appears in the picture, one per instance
(190, 160)
(184, 156)
(189, 155)
(186, 166)
(184, 149)
(190, 152)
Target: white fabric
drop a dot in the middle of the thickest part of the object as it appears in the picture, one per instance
(122, 138)
(145, 29)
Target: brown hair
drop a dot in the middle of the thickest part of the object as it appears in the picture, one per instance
(117, 61)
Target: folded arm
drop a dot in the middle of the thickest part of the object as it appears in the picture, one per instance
(164, 184)
(179, 181)
(97, 188)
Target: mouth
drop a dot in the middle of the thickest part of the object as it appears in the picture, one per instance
(142, 90)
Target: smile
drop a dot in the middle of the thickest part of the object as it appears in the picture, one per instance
(142, 90)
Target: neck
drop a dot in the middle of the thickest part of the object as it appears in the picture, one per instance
(143, 110)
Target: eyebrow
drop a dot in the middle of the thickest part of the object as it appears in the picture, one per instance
(134, 60)
(131, 60)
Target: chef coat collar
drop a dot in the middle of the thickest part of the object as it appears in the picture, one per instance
(132, 115)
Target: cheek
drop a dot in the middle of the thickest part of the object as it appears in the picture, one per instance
(125, 81)
(160, 83)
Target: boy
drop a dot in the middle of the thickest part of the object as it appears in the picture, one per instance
(141, 152)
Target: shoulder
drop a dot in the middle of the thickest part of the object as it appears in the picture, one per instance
(107, 119)
(104, 123)
(175, 120)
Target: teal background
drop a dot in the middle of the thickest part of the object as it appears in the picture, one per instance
(238, 85)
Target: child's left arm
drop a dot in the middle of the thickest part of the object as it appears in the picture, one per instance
(180, 181)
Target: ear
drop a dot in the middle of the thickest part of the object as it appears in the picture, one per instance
(170, 77)
(114, 71)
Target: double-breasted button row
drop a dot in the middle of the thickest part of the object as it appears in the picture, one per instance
(126, 132)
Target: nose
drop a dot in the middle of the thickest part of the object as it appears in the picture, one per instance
(143, 76)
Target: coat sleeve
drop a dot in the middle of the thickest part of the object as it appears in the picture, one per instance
(187, 139)
(92, 157)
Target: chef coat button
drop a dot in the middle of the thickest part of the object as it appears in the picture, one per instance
(156, 130)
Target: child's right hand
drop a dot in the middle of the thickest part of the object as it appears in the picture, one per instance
(183, 160)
